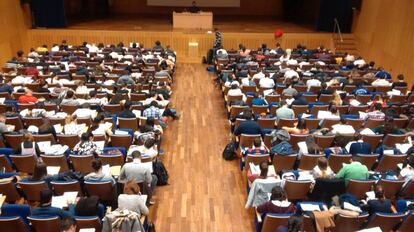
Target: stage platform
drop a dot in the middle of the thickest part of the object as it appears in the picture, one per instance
(245, 24)
(190, 45)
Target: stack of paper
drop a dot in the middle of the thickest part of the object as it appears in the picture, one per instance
(58, 128)
(52, 170)
(351, 207)
(43, 146)
(310, 207)
(62, 201)
(254, 169)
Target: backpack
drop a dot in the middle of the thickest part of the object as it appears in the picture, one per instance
(282, 148)
(161, 172)
(229, 151)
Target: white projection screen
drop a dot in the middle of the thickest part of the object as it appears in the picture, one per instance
(200, 3)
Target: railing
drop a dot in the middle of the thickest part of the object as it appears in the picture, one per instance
(336, 34)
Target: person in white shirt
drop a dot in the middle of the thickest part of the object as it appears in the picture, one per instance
(234, 91)
(381, 82)
(407, 173)
(291, 73)
(292, 62)
(349, 58)
(360, 63)
(266, 82)
(313, 82)
(55, 48)
(258, 75)
(93, 48)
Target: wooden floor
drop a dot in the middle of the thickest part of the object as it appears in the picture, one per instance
(252, 24)
(206, 193)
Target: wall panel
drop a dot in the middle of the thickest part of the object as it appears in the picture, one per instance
(385, 31)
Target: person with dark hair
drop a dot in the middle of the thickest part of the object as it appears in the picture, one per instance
(376, 113)
(47, 128)
(299, 100)
(87, 206)
(40, 174)
(68, 224)
(47, 210)
(264, 172)
(257, 148)
(354, 170)
(28, 97)
(7, 87)
(249, 126)
(258, 100)
(194, 8)
(400, 82)
(158, 46)
(127, 112)
(387, 128)
(380, 204)
(324, 90)
(125, 79)
(97, 173)
(359, 147)
(217, 42)
(70, 98)
(86, 146)
(278, 203)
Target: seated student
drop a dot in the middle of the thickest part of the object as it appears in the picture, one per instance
(359, 147)
(70, 98)
(299, 100)
(376, 113)
(381, 82)
(264, 172)
(354, 170)
(284, 112)
(322, 169)
(40, 174)
(324, 90)
(47, 128)
(257, 148)
(7, 87)
(86, 146)
(131, 199)
(28, 97)
(100, 127)
(148, 149)
(68, 224)
(278, 203)
(311, 147)
(400, 82)
(87, 206)
(387, 128)
(47, 210)
(138, 172)
(127, 112)
(380, 204)
(97, 173)
(234, 91)
(360, 90)
(258, 100)
(407, 172)
(28, 146)
(249, 126)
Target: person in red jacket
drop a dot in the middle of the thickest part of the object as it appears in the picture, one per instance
(28, 97)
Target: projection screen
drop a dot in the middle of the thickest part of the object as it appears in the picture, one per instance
(200, 3)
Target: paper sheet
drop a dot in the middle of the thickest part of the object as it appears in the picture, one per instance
(43, 146)
(59, 202)
(70, 196)
(310, 207)
(52, 170)
(352, 207)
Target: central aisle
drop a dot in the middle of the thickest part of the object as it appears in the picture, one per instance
(206, 193)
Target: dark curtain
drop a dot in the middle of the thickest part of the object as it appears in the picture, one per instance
(331, 9)
(49, 13)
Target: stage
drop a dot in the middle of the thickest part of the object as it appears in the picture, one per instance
(243, 24)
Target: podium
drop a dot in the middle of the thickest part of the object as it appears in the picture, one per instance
(187, 20)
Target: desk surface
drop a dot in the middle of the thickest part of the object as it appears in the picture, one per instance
(201, 13)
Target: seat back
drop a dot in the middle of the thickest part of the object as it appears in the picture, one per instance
(312, 123)
(255, 159)
(121, 141)
(247, 140)
(368, 160)
(374, 140)
(385, 221)
(88, 222)
(390, 139)
(391, 187)
(300, 109)
(273, 221)
(324, 141)
(8, 189)
(358, 188)
(13, 141)
(260, 109)
(286, 122)
(284, 162)
(36, 121)
(355, 123)
(345, 223)
(43, 224)
(372, 123)
(4, 163)
(329, 122)
(60, 187)
(14, 224)
(408, 223)
(56, 160)
(131, 123)
(336, 161)
(24, 163)
(32, 189)
(308, 161)
(297, 190)
(267, 123)
(103, 189)
(112, 160)
(82, 163)
(69, 109)
(296, 138)
(389, 162)
(69, 140)
(44, 138)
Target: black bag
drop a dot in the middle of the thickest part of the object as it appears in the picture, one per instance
(210, 56)
(161, 172)
(229, 151)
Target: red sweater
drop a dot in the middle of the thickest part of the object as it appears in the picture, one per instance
(27, 99)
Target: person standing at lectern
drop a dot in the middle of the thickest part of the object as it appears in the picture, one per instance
(194, 8)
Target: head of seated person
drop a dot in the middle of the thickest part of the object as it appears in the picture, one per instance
(39, 173)
(68, 224)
